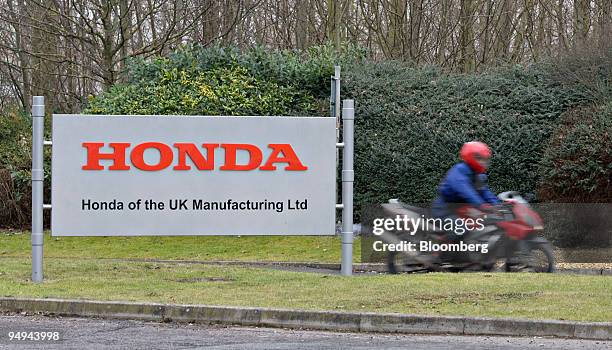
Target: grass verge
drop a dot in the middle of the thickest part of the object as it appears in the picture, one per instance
(532, 296)
(245, 248)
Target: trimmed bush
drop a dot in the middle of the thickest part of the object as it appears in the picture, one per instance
(219, 91)
(307, 70)
(547, 124)
(15, 170)
(411, 123)
(577, 163)
(193, 80)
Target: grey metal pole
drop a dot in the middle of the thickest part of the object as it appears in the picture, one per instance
(348, 120)
(38, 122)
(337, 99)
(332, 98)
(334, 104)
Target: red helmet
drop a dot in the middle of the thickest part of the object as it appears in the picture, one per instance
(476, 155)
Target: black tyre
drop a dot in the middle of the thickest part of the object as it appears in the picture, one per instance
(398, 262)
(538, 257)
(391, 267)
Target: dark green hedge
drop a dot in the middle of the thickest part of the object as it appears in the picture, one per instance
(577, 162)
(548, 124)
(15, 169)
(410, 124)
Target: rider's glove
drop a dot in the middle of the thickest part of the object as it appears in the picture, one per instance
(487, 208)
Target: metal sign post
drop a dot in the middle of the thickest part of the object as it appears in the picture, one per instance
(348, 175)
(334, 112)
(38, 174)
(336, 97)
(347, 144)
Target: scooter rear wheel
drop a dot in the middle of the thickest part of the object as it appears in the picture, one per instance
(538, 258)
(398, 262)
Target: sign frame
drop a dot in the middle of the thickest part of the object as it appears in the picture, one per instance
(38, 142)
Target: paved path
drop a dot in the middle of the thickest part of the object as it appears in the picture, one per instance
(80, 333)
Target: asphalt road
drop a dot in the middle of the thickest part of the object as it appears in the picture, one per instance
(78, 333)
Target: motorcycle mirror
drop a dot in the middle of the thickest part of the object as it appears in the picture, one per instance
(529, 197)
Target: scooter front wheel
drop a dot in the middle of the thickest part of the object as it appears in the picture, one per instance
(538, 257)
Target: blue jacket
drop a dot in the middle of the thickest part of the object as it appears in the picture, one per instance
(462, 186)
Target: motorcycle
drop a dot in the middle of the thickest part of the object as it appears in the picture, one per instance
(511, 235)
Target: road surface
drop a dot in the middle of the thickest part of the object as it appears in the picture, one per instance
(81, 333)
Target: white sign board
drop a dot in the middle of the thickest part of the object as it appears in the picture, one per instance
(192, 175)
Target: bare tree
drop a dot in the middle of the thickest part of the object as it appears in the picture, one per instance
(69, 49)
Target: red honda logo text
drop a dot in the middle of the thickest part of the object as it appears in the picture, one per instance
(281, 153)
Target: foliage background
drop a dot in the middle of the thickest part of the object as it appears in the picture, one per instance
(549, 123)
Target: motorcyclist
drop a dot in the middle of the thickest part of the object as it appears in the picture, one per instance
(466, 183)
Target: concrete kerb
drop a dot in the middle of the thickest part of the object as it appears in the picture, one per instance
(319, 320)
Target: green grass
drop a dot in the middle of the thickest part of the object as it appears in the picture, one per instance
(75, 268)
(523, 295)
(245, 248)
